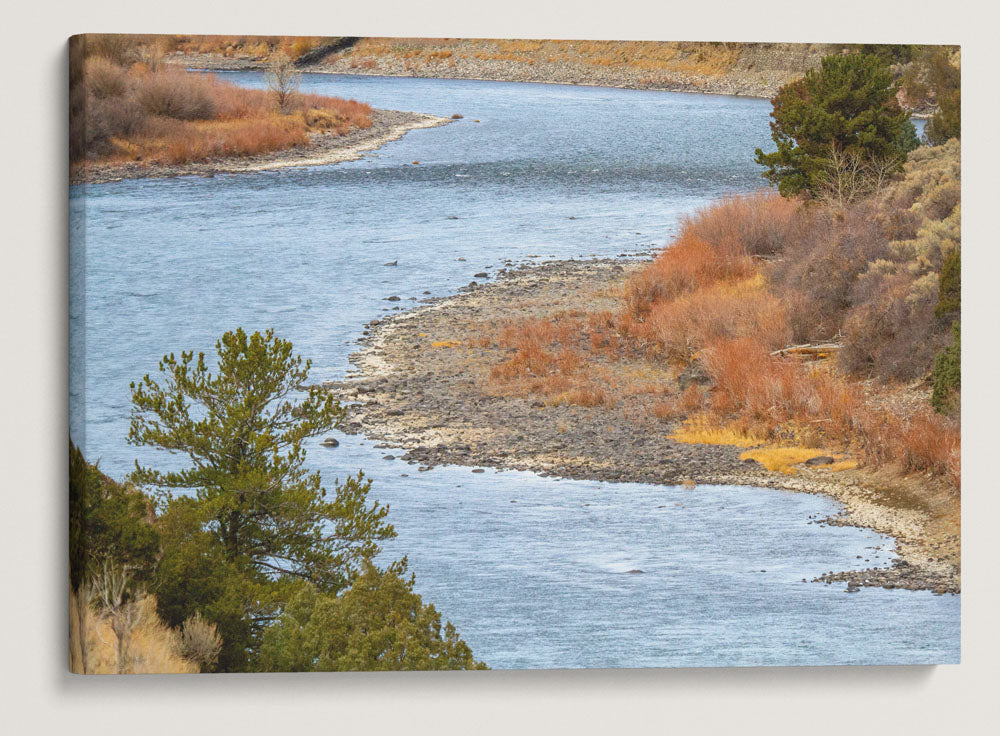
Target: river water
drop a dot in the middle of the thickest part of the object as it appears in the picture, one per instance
(532, 571)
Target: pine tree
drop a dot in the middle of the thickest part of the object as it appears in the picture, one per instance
(847, 106)
(249, 505)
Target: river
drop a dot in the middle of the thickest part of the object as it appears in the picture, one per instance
(532, 571)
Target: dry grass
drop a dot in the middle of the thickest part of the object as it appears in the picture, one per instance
(154, 648)
(545, 359)
(657, 58)
(782, 459)
(249, 47)
(703, 429)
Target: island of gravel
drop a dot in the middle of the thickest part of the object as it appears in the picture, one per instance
(421, 385)
(323, 148)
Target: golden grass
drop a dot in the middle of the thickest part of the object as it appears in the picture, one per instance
(782, 459)
(153, 648)
(251, 47)
(702, 429)
(446, 344)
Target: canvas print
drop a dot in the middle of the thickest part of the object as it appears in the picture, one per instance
(421, 354)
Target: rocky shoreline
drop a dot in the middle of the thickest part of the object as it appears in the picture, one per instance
(763, 85)
(323, 148)
(422, 385)
(763, 71)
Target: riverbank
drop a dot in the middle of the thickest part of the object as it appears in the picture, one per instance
(423, 384)
(745, 69)
(740, 69)
(323, 148)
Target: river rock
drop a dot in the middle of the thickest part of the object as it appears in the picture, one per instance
(694, 373)
(820, 460)
(330, 442)
(392, 298)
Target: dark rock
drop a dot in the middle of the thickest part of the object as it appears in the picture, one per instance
(821, 460)
(330, 442)
(392, 298)
(480, 275)
(388, 457)
(478, 470)
(392, 263)
(634, 572)
(456, 116)
(694, 373)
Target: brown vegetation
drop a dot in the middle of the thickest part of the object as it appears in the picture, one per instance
(126, 106)
(750, 275)
(153, 648)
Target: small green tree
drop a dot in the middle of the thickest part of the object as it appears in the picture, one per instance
(848, 105)
(946, 378)
(947, 83)
(253, 524)
(108, 523)
(949, 304)
(378, 623)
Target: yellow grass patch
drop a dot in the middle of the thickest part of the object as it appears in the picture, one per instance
(783, 459)
(836, 467)
(701, 430)
(446, 344)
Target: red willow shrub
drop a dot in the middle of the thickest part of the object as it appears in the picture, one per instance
(706, 298)
(166, 115)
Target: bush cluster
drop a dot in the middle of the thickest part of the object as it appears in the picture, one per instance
(125, 104)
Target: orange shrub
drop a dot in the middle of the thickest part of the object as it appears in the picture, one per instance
(688, 264)
(761, 222)
(722, 311)
(162, 114)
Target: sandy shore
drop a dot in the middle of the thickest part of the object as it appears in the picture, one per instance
(323, 148)
(422, 385)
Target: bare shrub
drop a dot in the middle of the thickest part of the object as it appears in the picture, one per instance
(104, 78)
(178, 95)
(200, 642)
(818, 270)
(282, 79)
(116, 599)
(849, 177)
(723, 311)
(760, 222)
(122, 49)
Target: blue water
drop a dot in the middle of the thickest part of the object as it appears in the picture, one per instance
(532, 571)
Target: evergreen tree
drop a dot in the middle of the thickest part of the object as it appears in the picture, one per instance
(108, 523)
(847, 106)
(253, 525)
(379, 623)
